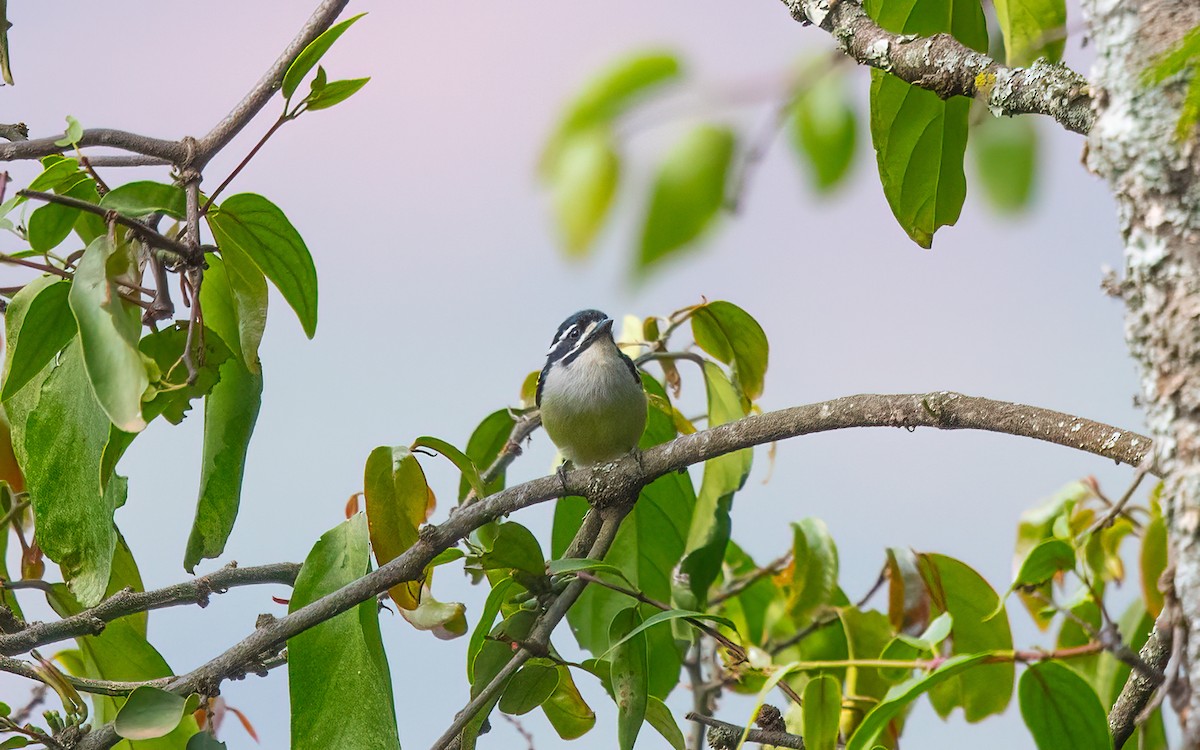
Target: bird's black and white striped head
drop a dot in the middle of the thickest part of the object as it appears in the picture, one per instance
(576, 334)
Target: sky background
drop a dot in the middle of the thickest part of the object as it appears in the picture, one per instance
(440, 287)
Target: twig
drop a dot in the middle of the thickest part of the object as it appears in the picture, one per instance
(824, 620)
(735, 732)
(942, 410)
(1107, 519)
(738, 585)
(96, 687)
(245, 160)
(12, 513)
(189, 255)
(521, 730)
(43, 267)
(522, 429)
(17, 131)
(102, 188)
(127, 602)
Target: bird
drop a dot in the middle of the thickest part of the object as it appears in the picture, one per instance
(589, 393)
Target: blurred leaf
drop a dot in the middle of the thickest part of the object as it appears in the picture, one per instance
(919, 138)
(260, 230)
(660, 717)
(461, 461)
(59, 436)
(648, 546)
(486, 442)
(109, 330)
(956, 588)
(397, 504)
(1152, 559)
(230, 413)
(822, 710)
(731, 335)
(338, 679)
(515, 547)
(334, 93)
(311, 54)
(748, 610)
(824, 130)
(566, 710)
(1006, 156)
(583, 183)
(814, 569)
(1061, 710)
(1032, 29)
(709, 531)
(902, 695)
(142, 198)
(1036, 525)
(628, 676)
(487, 617)
(688, 193)
(148, 713)
(607, 96)
(530, 687)
(39, 324)
(1045, 561)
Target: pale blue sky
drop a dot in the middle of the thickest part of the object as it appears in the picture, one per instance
(441, 285)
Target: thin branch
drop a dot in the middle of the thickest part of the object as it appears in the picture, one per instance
(128, 160)
(941, 64)
(191, 256)
(96, 687)
(1139, 687)
(43, 267)
(127, 602)
(245, 160)
(606, 485)
(738, 585)
(224, 131)
(522, 429)
(735, 733)
(170, 151)
(1119, 507)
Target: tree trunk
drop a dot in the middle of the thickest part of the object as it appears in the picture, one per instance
(1153, 174)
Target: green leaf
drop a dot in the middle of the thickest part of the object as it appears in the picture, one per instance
(647, 549)
(1061, 709)
(333, 93)
(583, 183)
(628, 679)
(204, 741)
(824, 130)
(230, 413)
(145, 197)
(956, 588)
(398, 502)
(814, 569)
(38, 325)
(170, 394)
(749, 609)
(688, 193)
(491, 608)
(1006, 156)
(920, 140)
(899, 698)
(260, 230)
(515, 547)
(59, 436)
(660, 717)
(149, 713)
(709, 530)
(73, 133)
(18, 741)
(1044, 561)
(567, 711)
(822, 709)
(484, 446)
(309, 56)
(666, 616)
(56, 169)
(607, 96)
(1152, 558)
(109, 330)
(731, 335)
(530, 687)
(244, 290)
(1032, 29)
(460, 460)
(338, 679)
(50, 224)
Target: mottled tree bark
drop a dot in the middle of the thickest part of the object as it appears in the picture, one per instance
(1153, 173)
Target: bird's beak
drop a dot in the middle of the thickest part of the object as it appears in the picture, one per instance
(605, 326)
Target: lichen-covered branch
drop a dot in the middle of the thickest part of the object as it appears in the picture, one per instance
(127, 602)
(943, 65)
(1122, 719)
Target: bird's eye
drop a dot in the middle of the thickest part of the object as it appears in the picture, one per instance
(575, 334)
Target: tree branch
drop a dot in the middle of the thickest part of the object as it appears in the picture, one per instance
(224, 131)
(733, 733)
(943, 65)
(1122, 719)
(171, 151)
(607, 485)
(128, 602)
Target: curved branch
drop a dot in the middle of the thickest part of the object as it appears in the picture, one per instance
(232, 124)
(943, 65)
(607, 485)
(172, 151)
(128, 602)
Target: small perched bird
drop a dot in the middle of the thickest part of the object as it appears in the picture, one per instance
(589, 393)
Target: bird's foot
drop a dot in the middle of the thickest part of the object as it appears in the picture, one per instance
(561, 471)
